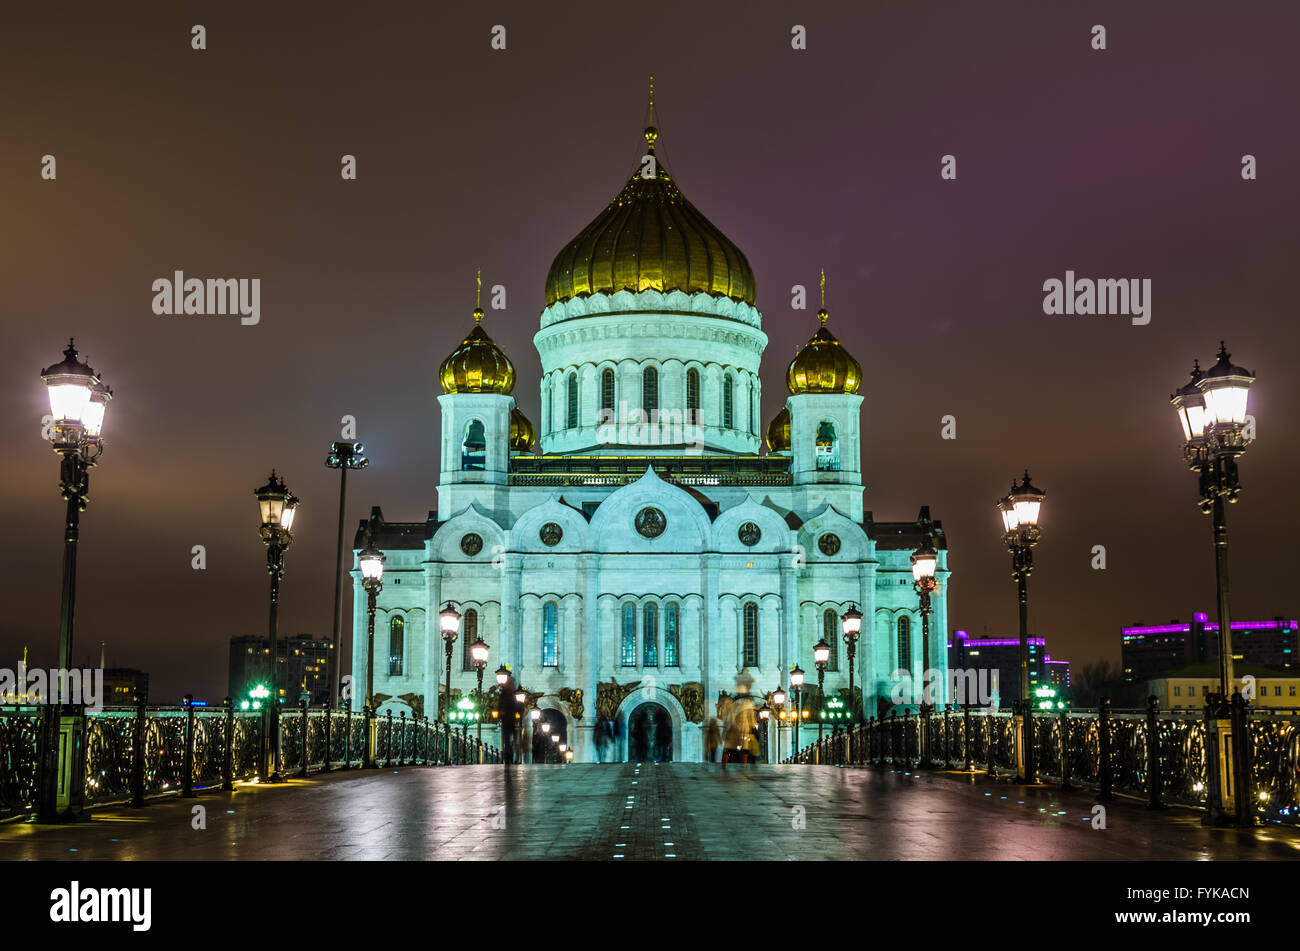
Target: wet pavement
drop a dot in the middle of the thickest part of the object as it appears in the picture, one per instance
(630, 812)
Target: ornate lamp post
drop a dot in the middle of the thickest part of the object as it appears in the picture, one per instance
(449, 621)
(277, 507)
(764, 718)
(478, 652)
(1020, 510)
(924, 562)
(796, 682)
(343, 456)
(851, 621)
(78, 400)
(371, 562)
(821, 659)
(1212, 411)
(778, 702)
(533, 716)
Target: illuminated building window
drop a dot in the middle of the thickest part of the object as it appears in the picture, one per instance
(905, 643)
(627, 637)
(650, 635)
(473, 447)
(830, 634)
(470, 624)
(650, 390)
(550, 634)
(749, 635)
(671, 657)
(396, 645)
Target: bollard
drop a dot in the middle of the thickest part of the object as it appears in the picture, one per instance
(966, 735)
(306, 748)
(137, 754)
(1104, 767)
(228, 766)
(368, 742)
(347, 737)
(328, 725)
(1065, 750)
(1155, 780)
(988, 736)
(187, 762)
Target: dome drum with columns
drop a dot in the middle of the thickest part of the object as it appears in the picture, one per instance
(651, 556)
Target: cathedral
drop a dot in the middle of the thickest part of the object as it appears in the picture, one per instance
(636, 556)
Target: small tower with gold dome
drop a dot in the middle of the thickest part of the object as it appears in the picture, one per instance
(481, 425)
(820, 425)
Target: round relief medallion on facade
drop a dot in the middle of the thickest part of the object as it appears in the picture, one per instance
(749, 534)
(829, 544)
(651, 522)
(550, 534)
(471, 544)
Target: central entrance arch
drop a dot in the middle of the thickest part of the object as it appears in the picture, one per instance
(650, 734)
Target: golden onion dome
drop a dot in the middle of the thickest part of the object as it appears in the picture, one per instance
(823, 365)
(778, 432)
(521, 432)
(478, 365)
(650, 238)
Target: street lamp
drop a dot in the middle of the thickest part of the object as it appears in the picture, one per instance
(796, 682)
(924, 562)
(78, 400)
(371, 561)
(478, 652)
(778, 702)
(1020, 510)
(343, 456)
(277, 507)
(449, 621)
(764, 715)
(1212, 411)
(821, 659)
(851, 621)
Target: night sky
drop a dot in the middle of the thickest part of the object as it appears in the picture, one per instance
(1121, 163)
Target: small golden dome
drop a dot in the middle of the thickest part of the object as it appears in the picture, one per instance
(650, 238)
(521, 432)
(477, 365)
(823, 366)
(778, 432)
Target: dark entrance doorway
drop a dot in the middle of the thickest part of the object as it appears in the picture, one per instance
(545, 749)
(650, 735)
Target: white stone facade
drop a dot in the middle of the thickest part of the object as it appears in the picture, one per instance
(814, 549)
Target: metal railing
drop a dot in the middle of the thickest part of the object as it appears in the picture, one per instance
(1160, 757)
(131, 754)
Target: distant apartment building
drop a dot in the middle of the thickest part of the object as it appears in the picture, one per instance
(303, 662)
(125, 686)
(1149, 651)
(1002, 654)
(1187, 689)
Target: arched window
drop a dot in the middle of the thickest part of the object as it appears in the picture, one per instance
(905, 644)
(672, 658)
(650, 636)
(607, 391)
(728, 403)
(831, 635)
(627, 637)
(828, 448)
(396, 645)
(650, 390)
(693, 393)
(572, 398)
(473, 448)
(749, 636)
(468, 635)
(550, 634)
